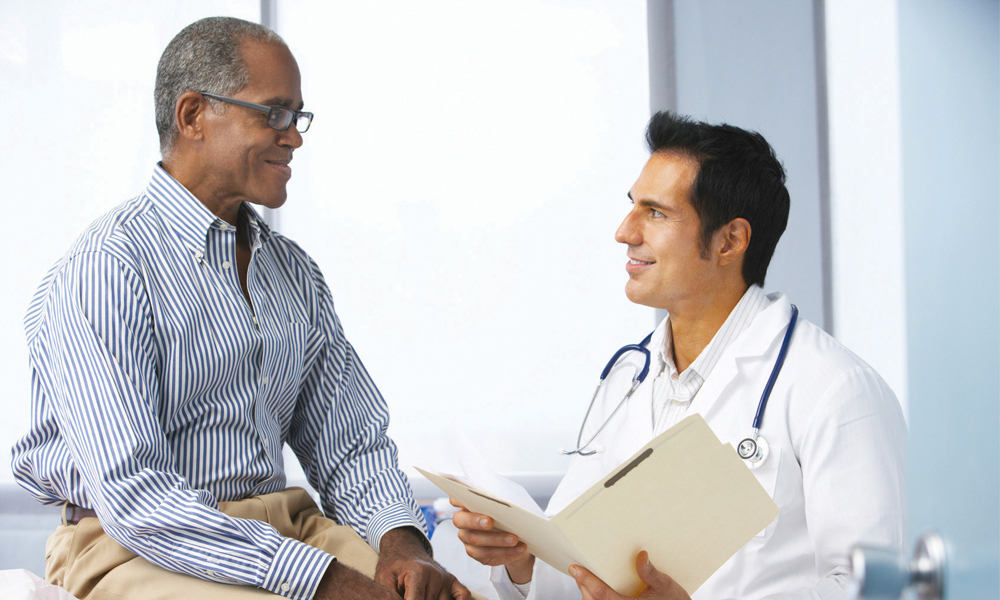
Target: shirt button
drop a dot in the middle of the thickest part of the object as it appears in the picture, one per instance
(225, 264)
(285, 587)
(264, 380)
(198, 255)
(224, 226)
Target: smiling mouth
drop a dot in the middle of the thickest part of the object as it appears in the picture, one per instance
(281, 165)
(633, 261)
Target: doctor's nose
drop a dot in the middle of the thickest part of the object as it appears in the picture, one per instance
(628, 232)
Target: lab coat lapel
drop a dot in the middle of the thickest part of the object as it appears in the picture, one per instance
(751, 346)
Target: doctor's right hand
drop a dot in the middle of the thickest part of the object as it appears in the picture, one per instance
(493, 547)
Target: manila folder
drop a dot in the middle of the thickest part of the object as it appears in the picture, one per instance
(685, 497)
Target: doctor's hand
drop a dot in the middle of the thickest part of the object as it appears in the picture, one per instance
(659, 586)
(493, 547)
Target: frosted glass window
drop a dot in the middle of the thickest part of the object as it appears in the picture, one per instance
(460, 187)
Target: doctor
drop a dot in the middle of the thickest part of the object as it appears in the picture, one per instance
(708, 209)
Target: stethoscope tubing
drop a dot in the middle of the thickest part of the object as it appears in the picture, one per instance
(759, 451)
(782, 353)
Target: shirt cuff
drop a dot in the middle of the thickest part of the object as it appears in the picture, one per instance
(296, 570)
(505, 587)
(392, 517)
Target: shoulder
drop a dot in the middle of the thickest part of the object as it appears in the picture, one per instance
(817, 358)
(114, 233)
(827, 385)
(814, 356)
(106, 244)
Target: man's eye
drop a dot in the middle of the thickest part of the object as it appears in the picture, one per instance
(657, 213)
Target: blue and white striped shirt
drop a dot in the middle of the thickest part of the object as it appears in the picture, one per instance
(157, 392)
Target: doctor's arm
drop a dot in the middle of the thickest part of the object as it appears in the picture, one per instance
(852, 452)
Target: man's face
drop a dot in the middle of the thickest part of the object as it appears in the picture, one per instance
(246, 159)
(666, 267)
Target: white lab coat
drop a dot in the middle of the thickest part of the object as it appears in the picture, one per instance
(835, 469)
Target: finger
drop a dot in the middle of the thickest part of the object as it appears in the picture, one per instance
(591, 585)
(457, 591)
(385, 577)
(413, 584)
(494, 557)
(464, 519)
(647, 572)
(657, 580)
(456, 503)
(497, 539)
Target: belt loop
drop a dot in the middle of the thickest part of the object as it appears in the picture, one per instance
(65, 505)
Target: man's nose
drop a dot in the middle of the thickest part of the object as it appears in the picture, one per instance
(628, 232)
(290, 137)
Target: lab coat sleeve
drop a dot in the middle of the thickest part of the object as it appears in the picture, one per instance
(852, 453)
(546, 583)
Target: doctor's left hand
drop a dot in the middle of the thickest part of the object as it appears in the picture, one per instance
(659, 585)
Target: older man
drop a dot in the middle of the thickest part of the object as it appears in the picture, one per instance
(180, 343)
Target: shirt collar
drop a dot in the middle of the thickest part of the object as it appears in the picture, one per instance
(190, 217)
(750, 305)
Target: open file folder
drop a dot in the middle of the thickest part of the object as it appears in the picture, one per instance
(685, 497)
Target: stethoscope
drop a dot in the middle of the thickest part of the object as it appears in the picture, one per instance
(753, 450)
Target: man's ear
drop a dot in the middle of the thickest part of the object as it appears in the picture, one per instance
(732, 239)
(189, 114)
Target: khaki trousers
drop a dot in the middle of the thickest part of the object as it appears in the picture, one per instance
(91, 565)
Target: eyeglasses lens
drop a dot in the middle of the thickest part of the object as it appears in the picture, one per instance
(281, 119)
(303, 121)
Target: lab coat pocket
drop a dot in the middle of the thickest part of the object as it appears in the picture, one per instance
(767, 476)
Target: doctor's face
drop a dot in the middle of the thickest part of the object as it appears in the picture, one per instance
(662, 231)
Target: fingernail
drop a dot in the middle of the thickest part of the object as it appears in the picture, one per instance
(510, 539)
(484, 522)
(574, 571)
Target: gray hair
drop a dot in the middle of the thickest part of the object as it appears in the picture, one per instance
(204, 57)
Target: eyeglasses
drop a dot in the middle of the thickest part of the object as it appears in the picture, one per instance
(277, 117)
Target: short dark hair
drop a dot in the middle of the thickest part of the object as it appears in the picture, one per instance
(739, 176)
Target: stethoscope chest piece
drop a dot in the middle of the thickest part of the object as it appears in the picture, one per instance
(753, 451)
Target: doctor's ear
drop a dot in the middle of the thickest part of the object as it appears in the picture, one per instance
(732, 240)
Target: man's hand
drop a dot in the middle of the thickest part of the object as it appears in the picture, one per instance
(405, 566)
(659, 586)
(341, 582)
(493, 547)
